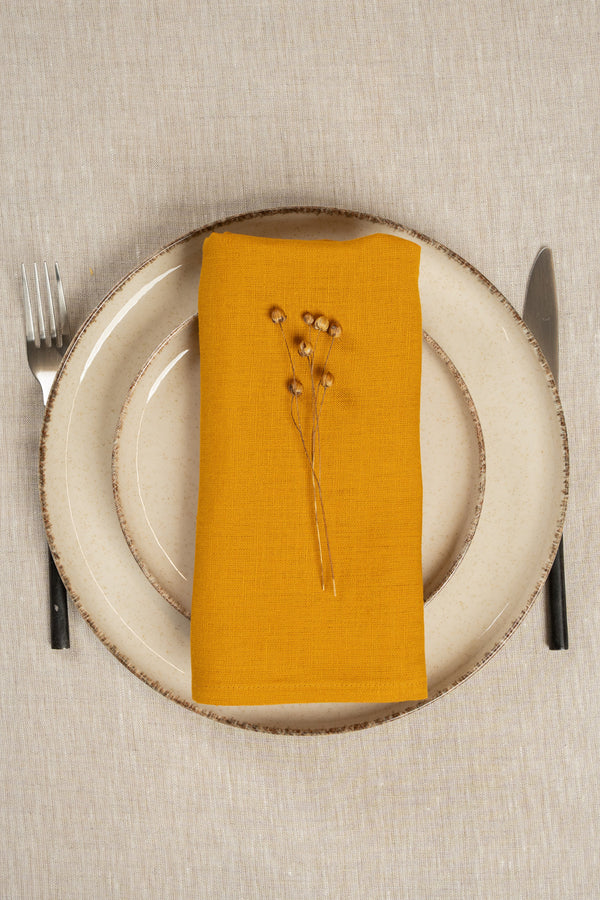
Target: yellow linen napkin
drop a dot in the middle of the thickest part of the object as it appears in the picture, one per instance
(263, 629)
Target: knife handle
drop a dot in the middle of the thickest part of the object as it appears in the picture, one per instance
(557, 601)
(59, 614)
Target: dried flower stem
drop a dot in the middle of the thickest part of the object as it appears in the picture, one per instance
(289, 352)
(318, 484)
(295, 399)
(314, 395)
(315, 439)
(322, 324)
(319, 410)
(334, 330)
(306, 350)
(287, 347)
(328, 353)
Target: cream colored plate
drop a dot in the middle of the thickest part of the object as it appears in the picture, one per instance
(526, 469)
(156, 466)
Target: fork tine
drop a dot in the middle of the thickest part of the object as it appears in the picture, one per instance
(51, 316)
(63, 316)
(40, 310)
(29, 329)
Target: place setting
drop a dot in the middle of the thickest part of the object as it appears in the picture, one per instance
(304, 471)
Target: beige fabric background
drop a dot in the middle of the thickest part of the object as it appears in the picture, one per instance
(126, 124)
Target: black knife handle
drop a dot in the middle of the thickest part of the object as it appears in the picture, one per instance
(59, 614)
(557, 602)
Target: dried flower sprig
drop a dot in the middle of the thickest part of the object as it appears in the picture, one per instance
(334, 331)
(306, 350)
(326, 382)
(296, 389)
(317, 482)
(278, 316)
(322, 325)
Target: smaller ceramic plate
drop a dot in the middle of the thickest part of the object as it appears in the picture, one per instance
(156, 466)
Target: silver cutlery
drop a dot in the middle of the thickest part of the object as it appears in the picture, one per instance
(541, 315)
(47, 335)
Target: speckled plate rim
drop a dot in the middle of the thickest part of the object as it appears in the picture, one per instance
(120, 506)
(527, 601)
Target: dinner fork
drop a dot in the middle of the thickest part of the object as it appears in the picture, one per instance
(47, 335)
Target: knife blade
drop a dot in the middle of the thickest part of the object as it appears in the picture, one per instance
(540, 314)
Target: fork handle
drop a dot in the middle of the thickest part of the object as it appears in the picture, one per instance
(59, 614)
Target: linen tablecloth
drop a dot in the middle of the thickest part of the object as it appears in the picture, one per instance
(125, 125)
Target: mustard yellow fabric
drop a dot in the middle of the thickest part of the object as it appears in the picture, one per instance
(263, 630)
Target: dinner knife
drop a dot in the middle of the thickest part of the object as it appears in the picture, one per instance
(541, 316)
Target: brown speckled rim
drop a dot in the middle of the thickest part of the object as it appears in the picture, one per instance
(139, 556)
(405, 709)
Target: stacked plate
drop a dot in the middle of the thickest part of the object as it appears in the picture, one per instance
(120, 450)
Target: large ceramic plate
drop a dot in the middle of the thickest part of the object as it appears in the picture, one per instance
(157, 451)
(526, 461)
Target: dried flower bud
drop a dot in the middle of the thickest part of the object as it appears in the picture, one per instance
(278, 315)
(295, 387)
(322, 323)
(327, 379)
(308, 318)
(335, 329)
(305, 349)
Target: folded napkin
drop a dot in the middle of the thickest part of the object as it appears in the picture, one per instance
(263, 629)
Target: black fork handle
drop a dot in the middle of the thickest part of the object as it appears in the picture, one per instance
(59, 613)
